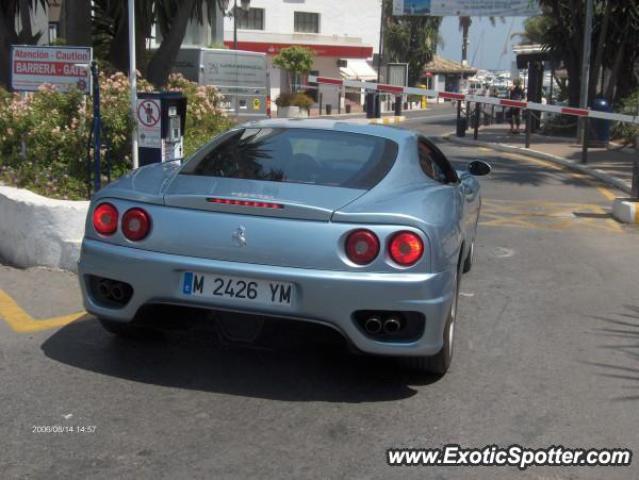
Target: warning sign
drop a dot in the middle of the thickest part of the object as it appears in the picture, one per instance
(149, 127)
(148, 112)
(63, 67)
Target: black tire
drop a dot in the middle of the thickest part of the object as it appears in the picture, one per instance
(470, 259)
(439, 363)
(126, 329)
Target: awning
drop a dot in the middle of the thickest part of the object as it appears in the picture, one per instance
(357, 69)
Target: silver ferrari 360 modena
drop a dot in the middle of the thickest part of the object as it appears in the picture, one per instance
(363, 228)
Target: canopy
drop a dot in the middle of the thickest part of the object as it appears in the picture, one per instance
(357, 69)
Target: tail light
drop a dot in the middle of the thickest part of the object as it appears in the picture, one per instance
(136, 224)
(362, 246)
(406, 248)
(268, 106)
(105, 219)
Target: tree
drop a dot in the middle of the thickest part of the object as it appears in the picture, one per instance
(615, 36)
(410, 39)
(464, 26)
(76, 22)
(10, 12)
(295, 60)
(171, 17)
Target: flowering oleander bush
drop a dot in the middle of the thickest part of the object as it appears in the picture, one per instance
(44, 135)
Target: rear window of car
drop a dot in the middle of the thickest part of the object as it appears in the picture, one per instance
(297, 155)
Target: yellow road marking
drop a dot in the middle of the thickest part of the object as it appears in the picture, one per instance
(546, 215)
(607, 193)
(21, 322)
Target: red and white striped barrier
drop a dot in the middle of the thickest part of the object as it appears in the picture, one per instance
(502, 102)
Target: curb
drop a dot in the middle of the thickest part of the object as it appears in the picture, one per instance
(593, 172)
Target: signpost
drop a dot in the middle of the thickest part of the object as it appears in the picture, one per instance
(133, 80)
(477, 8)
(63, 67)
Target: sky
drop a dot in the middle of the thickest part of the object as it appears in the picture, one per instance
(486, 42)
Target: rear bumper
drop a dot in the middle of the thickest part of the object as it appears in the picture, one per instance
(323, 296)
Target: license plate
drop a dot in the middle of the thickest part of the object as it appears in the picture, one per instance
(239, 289)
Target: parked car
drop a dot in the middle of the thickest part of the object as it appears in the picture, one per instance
(363, 228)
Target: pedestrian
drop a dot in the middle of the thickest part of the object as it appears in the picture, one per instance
(516, 93)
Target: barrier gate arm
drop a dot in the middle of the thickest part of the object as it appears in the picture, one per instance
(502, 102)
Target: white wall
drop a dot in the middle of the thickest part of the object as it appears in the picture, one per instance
(40, 231)
(342, 18)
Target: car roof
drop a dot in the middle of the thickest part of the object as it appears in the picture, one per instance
(390, 133)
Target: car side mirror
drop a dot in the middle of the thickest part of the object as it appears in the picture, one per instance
(479, 168)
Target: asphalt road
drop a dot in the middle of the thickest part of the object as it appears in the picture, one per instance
(546, 354)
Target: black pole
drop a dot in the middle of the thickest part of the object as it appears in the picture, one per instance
(477, 114)
(586, 139)
(460, 130)
(320, 104)
(528, 127)
(97, 126)
(634, 189)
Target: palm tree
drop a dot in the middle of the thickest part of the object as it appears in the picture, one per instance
(76, 22)
(171, 17)
(10, 11)
(464, 26)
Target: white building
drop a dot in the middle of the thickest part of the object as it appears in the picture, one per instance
(335, 30)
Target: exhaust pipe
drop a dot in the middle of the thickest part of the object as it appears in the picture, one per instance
(117, 292)
(373, 325)
(392, 325)
(104, 288)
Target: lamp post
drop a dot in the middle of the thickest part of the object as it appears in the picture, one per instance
(244, 5)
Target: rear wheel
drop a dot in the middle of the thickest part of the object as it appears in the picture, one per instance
(439, 363)
(470, 259)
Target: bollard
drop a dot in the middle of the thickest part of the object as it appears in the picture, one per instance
(585, 139)
(528, 127)
(370, 105)
(461, 121)
(634, 189)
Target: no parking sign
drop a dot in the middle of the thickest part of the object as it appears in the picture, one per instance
(147, 116)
